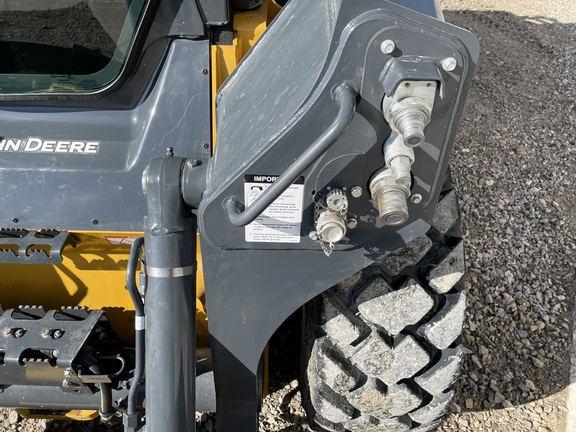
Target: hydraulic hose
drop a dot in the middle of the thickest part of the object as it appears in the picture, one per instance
(132, 409)
(106, 411)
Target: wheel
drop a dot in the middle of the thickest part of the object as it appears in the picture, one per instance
(382, 349)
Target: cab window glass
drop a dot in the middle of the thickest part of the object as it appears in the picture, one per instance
(64, 46)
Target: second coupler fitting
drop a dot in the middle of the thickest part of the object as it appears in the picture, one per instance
(399, 158)
(390, 197)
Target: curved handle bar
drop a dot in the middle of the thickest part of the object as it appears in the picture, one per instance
(344, 96)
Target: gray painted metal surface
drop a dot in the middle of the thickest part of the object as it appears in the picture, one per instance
(426, 7)
(252, 287)
(215, 12)
(52, 398)
(255, 145)
(269, 112)
(189, 20)
(103, 191)
(23, 337)
(346, 99)
(170, 308)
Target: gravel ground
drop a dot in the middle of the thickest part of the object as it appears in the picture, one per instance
(514, 165)
(514, 162)
(82, 30)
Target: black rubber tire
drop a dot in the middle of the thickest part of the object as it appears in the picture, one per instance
(382, 349)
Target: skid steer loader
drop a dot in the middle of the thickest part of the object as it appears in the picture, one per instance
(301, 146)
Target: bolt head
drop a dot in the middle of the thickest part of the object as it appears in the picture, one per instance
(416, 199)
(7, 331)
(449, 64)
(352, 223)
(388, 46)
(46, 333)
(356, 191)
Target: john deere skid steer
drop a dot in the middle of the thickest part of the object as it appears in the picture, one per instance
(179, 176)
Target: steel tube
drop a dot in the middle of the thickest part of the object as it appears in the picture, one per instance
(170, 302)
(345, 96)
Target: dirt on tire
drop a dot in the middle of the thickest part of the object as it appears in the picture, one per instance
(382, 348)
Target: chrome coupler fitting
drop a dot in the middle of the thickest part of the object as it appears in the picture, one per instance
(390, 197)
(409, 110)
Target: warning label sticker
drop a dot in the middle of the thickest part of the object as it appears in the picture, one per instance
(281, 221)
(121, 240)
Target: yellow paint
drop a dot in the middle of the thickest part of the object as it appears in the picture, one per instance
(84, 415)
(92, 274)
(273, 9)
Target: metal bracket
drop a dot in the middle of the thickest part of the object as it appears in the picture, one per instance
(411, 68)
(20, 246)
(39, 347)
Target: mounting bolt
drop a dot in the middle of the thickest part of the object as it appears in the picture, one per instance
(352, 223)
(449, 64)
(416, 199)
(58, 334)
(388, 46)
(66, 382)
(68, 373)
(356, 191)
(7, 331)
(46, 333)
(313, 235)
(19, 333)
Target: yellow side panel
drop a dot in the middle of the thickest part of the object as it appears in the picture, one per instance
(92, 274)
